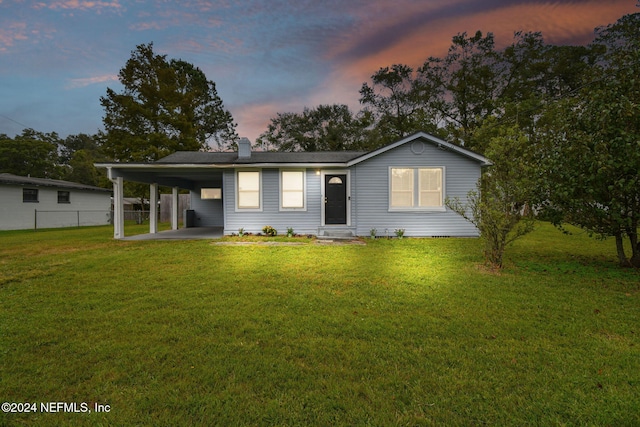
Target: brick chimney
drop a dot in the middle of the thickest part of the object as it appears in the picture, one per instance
(244, 148)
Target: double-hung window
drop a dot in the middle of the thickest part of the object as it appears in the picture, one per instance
(292, 184)
(430, 187)
(249, 185)
(30, 195)
(416, 188)
(402, 183)
(64, 197)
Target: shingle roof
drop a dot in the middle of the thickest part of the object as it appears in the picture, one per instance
(198, 157)
(7, 178)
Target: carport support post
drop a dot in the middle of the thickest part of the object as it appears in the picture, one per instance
(118, 208)
(153, 208)
(174, 208)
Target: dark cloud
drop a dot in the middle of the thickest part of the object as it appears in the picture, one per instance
(387, 36)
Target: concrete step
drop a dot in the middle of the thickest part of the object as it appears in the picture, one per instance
(336, 235)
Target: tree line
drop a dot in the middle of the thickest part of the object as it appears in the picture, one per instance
(47, 155)
(560, 123)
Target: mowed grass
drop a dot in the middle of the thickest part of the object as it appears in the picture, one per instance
(394, 332)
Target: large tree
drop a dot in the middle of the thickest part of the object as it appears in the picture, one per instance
(78, 153)
(324, 128)
(592, 155)
(165, 106)
(468, 82)
(454, 95)
(399, 103)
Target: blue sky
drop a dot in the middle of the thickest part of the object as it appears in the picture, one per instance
(58, 57)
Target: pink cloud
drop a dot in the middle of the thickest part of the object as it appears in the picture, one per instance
(15, 31)
(83, 82)
(409, 32)
(192, 14)
(79, 5)
(253, 119)
(146, 26)
(559, 22)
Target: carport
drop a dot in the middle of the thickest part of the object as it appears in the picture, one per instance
(192, 177)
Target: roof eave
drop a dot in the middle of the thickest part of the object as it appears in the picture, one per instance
(44, 182)
(219, 165)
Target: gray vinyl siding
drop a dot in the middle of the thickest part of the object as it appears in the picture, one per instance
(369, 188)
(209, 212)
(303, 222)
(370, 193)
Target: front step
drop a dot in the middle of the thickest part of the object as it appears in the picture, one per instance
(336, 235)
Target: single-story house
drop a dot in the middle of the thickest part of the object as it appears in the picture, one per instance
(400, 186)
(50, 203)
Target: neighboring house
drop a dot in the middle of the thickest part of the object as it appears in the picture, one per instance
(49, 203)
(400, 186)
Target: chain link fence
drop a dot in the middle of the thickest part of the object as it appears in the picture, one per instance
(70, 218)
(79, 218)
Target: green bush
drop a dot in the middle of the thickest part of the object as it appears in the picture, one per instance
(269, 230)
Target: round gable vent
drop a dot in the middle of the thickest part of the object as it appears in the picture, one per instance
(417, 147)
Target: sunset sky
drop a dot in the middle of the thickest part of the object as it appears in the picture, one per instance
(58, 57)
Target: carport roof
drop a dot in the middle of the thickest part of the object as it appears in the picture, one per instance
(184, 168)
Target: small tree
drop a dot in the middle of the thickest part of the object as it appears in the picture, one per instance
(499, 207)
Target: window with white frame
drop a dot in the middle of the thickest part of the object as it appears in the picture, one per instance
(210, 193)
(401, 188)
(292, 190)
(430, 182)
(248, 189)
(416, 188)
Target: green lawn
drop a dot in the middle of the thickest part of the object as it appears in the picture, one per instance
(394, 332)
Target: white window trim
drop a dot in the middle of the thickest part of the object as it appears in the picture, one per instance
(416, 191)
(210, 193)
(241, 209)
(304, 191)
